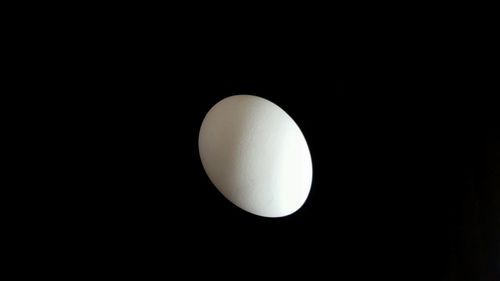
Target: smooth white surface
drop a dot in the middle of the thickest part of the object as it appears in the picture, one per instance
(256, 156)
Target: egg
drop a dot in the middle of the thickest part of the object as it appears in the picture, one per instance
(256, 156)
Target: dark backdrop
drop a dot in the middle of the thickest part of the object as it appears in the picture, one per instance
(401, 131)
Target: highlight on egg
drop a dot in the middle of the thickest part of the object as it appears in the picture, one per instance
(256, 156)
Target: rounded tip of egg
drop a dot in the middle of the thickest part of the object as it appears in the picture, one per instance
(256, 156)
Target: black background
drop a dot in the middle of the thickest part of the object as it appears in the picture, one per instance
(400, 128)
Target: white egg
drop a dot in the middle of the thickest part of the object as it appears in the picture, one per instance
(256, 156)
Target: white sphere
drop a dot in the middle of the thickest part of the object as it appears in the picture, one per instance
(256, 156)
